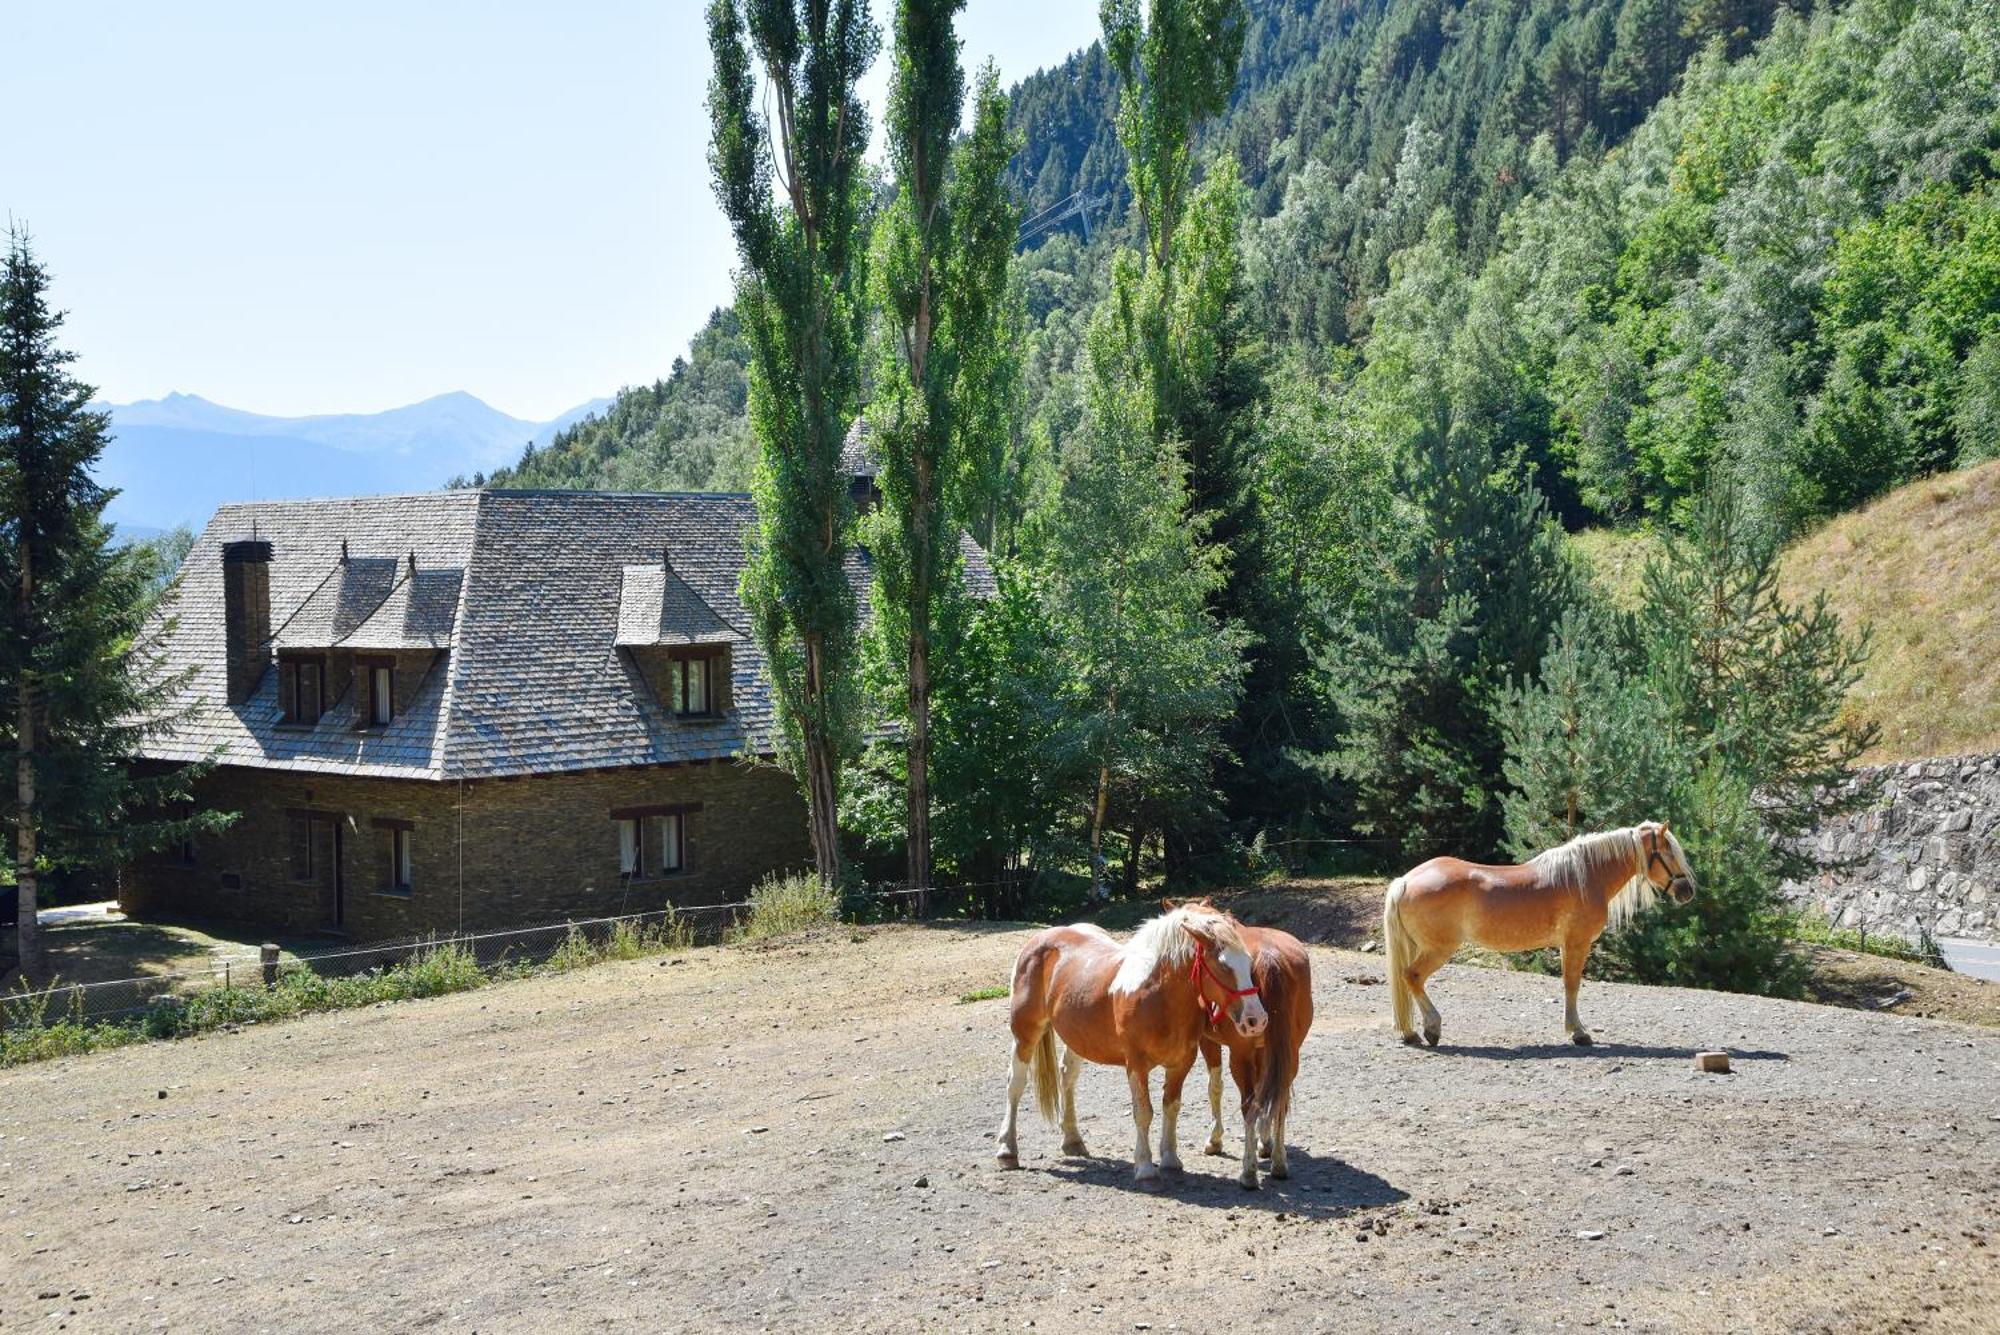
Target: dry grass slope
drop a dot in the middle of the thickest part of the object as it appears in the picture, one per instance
(1922, 567)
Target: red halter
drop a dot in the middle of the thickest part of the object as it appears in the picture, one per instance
(1201, 970)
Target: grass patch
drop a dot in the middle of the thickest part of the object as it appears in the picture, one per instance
(1617, 559)
(1814, 929)
(993, 993)
(783, 905)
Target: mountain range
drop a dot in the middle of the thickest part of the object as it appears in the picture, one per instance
(175, 459)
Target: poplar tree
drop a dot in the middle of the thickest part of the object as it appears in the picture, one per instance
(794, 188)
(940, 270)
(80, 663)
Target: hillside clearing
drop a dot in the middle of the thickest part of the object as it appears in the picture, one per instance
(798, 1135)
(1922, 567)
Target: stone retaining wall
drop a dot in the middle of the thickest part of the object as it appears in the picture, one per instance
(1925, 857)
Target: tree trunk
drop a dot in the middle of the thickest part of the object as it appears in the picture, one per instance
(822, 789)
(1097, 886)
(920, 761)
(28, 941)
(923, 505)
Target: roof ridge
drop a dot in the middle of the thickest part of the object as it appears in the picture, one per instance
(460, 651)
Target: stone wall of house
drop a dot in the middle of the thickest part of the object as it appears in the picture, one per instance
(486, 854)
(1924, 857)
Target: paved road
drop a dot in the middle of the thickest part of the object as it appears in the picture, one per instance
(1975, 959)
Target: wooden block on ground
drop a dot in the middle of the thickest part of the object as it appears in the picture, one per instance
(1715, 1063)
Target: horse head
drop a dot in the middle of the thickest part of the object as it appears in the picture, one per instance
(1221, 971)
(1666, 862)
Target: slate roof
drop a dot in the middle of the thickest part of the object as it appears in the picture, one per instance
(527, 594)
(656, 606)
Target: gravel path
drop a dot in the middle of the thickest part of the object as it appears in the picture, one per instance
(798, 1136)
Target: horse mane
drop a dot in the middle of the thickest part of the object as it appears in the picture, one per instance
(1576, 863)
(1164, 940)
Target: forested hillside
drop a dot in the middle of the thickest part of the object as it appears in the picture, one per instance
(1352, 122)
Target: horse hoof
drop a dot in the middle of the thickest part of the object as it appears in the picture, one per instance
(1581, 1039)
(1075, 1149)
(1280, 1171)
(1431, 1036)
(1146, 1175)
(1007, 1159)
(1247, 1183)
(1213, 1147)
(1412, 1041)
(1172, 1166)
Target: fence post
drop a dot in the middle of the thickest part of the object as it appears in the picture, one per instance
(268, 953)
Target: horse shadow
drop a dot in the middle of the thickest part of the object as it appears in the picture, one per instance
(1320, 1187)
(1597, 1051)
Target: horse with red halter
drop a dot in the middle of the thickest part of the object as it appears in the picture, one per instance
(1263, 1065)
(1567, 896)
(1140, 1004)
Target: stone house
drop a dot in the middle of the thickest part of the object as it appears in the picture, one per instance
(472, 709)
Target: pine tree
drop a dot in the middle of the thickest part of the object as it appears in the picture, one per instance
(77, 665)
(799, 295)
(1462, 606)
(942, 254)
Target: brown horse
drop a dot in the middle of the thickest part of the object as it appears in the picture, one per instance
(1263, 1065)
(1138, 1005)
(1567, 896)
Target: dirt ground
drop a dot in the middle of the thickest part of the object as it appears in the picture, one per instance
(798, 1136)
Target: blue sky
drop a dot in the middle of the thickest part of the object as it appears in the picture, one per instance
(294, 209)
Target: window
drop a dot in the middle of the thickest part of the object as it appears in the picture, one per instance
(300, 841)
(673, 843)
(399, 860)
(631, 849)
(688, 678)
(187, 851)
(301, 690)
(381, 694)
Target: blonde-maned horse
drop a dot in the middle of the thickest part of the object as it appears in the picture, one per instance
(1263, 1065)
(1137, 1005)
(1567, 897)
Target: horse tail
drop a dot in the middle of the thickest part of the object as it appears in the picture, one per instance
(1048, 1079)
(1281, 1046)
(1400, 949)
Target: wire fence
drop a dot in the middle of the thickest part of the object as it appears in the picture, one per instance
(526, 947)
(519, 948)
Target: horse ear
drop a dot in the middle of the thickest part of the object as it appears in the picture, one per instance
(1167, 904)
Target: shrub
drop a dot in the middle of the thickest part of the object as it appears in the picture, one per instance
(780, 905)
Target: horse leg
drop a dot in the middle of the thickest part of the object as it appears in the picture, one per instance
(1211, 1052)
(1574, 954)
(1243, 1069)
(1144, 1170)
(1006, 1150)
(1071, 1068)
(1427, 964)
(1279, 1168)
(1170, 1125)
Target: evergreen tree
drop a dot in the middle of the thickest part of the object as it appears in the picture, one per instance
(942, 251)
(795, 192)
(1717, 709)
(78, 667)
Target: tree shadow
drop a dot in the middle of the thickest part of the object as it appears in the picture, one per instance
(1595, 1052)
(1320, 1187)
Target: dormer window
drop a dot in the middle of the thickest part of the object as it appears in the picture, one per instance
(378, 692)
(688, 685)
(302, 690)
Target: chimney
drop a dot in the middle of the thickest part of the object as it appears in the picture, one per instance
(246, 614)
